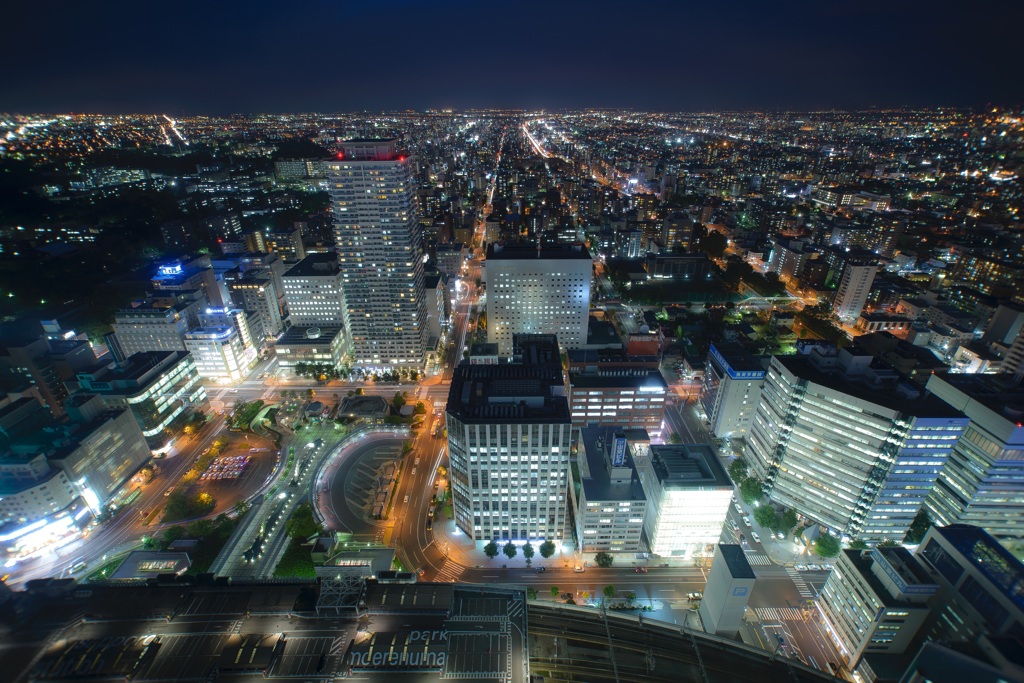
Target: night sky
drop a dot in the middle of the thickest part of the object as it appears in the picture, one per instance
(222, 56)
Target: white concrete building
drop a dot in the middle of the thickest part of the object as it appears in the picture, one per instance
(854, 287)
(538, 291)
(378, 240)
(312, 288)
(688, 496)
(731, 389)
(218, 353)
(609, 503)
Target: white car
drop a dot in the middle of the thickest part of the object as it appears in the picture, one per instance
(746, 521)
(800, 567)
(738, 508)
(753, 535)
(735, 526)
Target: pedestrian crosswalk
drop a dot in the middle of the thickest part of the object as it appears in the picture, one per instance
(758, 559)
(802, 587)
(450, 572)
(779, 613)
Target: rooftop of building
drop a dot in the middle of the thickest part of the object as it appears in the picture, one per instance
(999, 393)
(511, 251)
(863, 562)
(989, 556)
(924, 406)
(643, 380)
(303, 335)
(512, 392)
(737, 357)
(139, 368)
(736, 561)
(278, 636)
(905, 565)
(688, 466)
(314, 265)
(609, 355)
(142, 564)
(602, 333)
(597, 485)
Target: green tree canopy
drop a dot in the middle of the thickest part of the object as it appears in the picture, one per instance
(604, 560)
(919, 527)
(491, 550)
(674, 438)
(738, 469)
(510, 550)
(554, 591)
(528, 551)
(302, 524)
(767, 517)
(827, 546)
(750, 490)
(547, 549)
(788, 520)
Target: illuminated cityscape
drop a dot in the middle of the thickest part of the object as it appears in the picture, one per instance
(531, 363)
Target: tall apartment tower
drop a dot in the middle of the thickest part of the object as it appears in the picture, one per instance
(509, 437)
(848, 446)
(378, 239)
(854, 287)
(533, 290)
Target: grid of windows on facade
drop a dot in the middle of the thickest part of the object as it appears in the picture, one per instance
(510, 480)
(539, 302)
(378, 240)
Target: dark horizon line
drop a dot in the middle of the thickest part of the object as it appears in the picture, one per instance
(978, 108)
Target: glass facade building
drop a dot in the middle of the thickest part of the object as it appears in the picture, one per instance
(836, 442)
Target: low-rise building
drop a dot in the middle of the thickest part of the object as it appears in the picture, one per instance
(624, 398)
(608, 501)
(312, 345)
(730, 583)
(875, 601)
(219, 354)
(688, 496)
(160, 388)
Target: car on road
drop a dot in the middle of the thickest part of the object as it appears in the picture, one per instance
(406, 499)
(738, 508)
(746, 521)
(567, 596)
(430, 523)
(753, 535)
(800, 567)
(697, 595)
(541, 570)
(815, 568)
(578, 569)
(735, 525)
(641, 570)
(781, 535)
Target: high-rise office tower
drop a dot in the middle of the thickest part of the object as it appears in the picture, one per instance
(509, 436)
(854, 287)
(847, 445)
(538, 291)
(377, 236)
